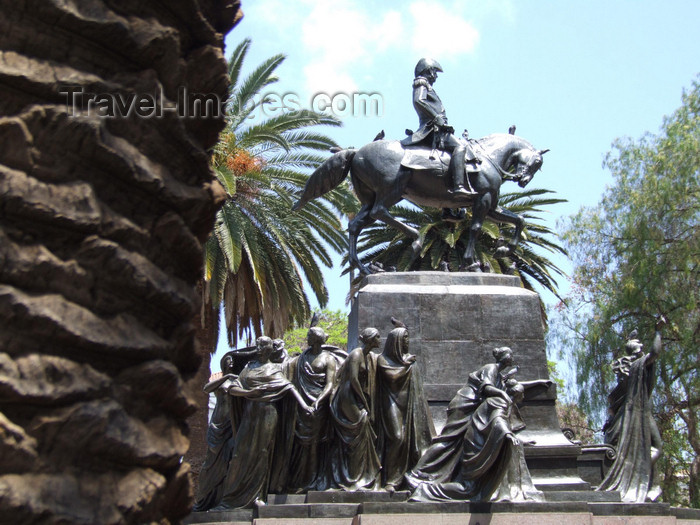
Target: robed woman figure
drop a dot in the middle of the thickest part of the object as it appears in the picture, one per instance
(313, 374)
(261, 384)
(630, 427)
(477, 456)
(219, 441)
(404, 426)
(355, 463)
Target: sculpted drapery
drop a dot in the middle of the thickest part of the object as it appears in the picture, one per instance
(404, 426)
(477, 456)
(355, 463)
(630, 427)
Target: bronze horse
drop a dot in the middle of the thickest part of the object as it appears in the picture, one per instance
(380, 181)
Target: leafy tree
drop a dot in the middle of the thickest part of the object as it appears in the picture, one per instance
(333, 322)
(259, 252)
(572, 418)
(445, 242)
(637, 257)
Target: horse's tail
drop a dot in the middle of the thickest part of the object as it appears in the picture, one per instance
(326, 177)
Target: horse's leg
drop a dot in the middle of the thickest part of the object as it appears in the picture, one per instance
(394, 193)
(502, 215)
(355, 226)
(381, 213)
(480, 208)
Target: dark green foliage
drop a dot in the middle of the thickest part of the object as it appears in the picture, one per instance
(637, 257)
(446, 242)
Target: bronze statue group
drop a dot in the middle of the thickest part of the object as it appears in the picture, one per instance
(325, 420)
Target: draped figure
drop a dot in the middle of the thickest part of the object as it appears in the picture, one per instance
(261, 384)
(477, 455)
(630, 427)
(219, 444)
(404, 425)
(313, 374)
(355, 463)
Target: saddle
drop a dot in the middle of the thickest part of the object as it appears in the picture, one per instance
(420, 157)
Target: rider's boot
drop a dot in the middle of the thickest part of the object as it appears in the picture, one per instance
(456, 172)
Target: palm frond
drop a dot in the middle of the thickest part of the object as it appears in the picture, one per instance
(260, 253)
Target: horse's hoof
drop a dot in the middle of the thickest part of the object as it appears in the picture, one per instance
(450, 215)
(473, 267)
(502, 252)
(376, 268)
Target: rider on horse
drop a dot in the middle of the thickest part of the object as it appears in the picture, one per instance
(434, 129)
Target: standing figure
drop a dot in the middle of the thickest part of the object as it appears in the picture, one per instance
(313, 373)
(261, 383)
(404, 426)
(434, 130)
(219, 441)
(356, 464)
(477, 456)
(630, 427)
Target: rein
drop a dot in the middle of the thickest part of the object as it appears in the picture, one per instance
(503, 173)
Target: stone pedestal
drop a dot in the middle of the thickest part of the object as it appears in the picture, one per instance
(455, 320)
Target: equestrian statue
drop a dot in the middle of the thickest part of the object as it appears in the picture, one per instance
(431, 167)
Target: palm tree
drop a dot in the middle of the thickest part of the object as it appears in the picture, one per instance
(445, 242)
(259, 253)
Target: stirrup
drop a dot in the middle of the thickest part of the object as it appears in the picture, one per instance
(461, 190)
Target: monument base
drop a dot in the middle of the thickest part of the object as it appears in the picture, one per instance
(455, 320)
(381, 508)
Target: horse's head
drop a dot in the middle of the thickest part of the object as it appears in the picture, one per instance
(528, 161)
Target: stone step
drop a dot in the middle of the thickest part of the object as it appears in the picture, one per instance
(309, 510)
(562, 485)
(629, 509)
(360, 496)
(581, 495)
(410, 513)
(285, 499)
(465, 507)
(231, 517)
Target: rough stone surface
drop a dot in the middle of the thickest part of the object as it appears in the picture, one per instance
(101, 224)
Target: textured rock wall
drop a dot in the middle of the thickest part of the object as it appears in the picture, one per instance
(101, 223)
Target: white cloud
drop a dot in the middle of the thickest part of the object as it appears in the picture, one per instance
(440, 32)
(480, 9)
(326, 76)
(339, 43)
(342, 40)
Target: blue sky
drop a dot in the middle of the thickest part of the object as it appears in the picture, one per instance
(572, 76)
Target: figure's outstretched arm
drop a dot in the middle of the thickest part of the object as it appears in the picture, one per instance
(492, 391)
(657, 345)
(300, 399)
(213, 385)
(546, 383)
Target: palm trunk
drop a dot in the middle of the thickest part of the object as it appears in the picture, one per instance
(207, 334)
(101, 224)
